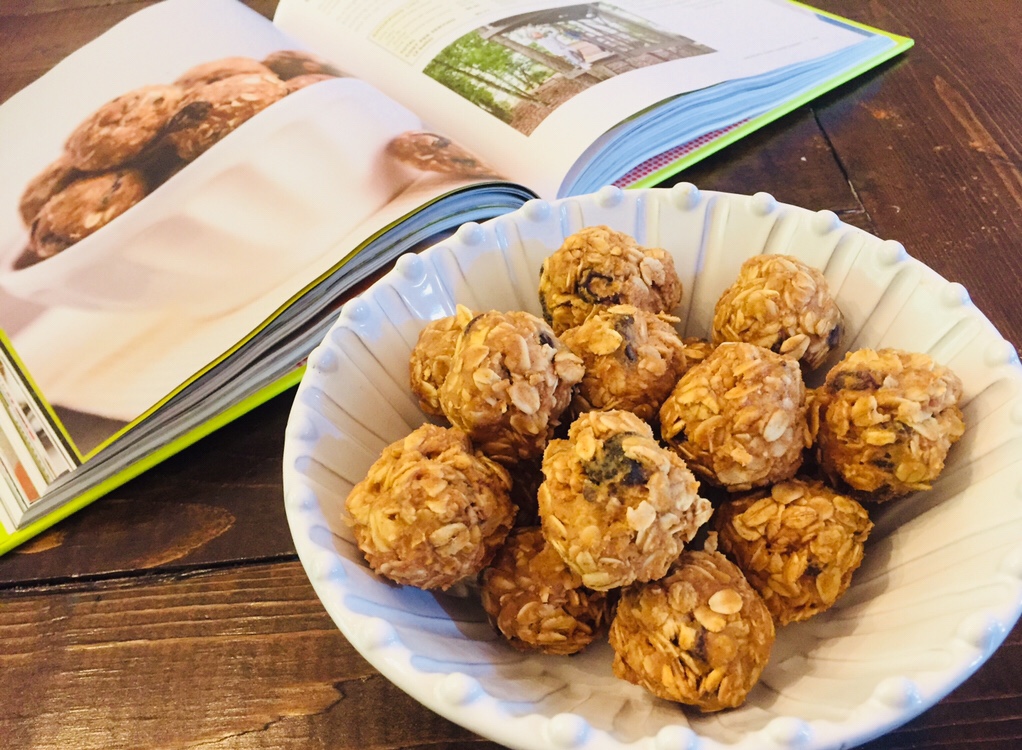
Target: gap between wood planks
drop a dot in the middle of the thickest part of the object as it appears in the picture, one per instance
(72, 584)
(848, 212)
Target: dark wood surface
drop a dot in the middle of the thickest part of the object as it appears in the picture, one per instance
(174, 613)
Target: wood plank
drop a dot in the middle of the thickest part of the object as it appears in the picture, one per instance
(248, 658)
(934, 150)
(242, 659)
(789, 158)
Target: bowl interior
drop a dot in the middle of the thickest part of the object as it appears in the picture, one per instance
(940, 584)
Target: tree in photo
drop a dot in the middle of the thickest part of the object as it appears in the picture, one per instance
(521, 68)
(489, 75)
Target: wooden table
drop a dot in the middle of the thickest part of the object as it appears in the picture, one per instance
(174, 613)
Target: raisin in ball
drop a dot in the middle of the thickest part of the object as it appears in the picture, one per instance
(632, 358)
(614, 503)
(510, 379)
(599, 267)
(84, 207)
(780, 303)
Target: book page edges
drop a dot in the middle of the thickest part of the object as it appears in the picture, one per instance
(901, 45)
(294, 299)
(30, 383)
(19, 537)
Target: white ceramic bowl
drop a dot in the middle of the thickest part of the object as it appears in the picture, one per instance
(259, 206)
(941, 583)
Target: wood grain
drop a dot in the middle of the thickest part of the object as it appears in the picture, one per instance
(934, 150)
(247, 658)
(35, 36)
(791, 159)
(238, 659)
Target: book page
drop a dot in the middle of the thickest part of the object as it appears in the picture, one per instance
(167, 188)
(530, 85)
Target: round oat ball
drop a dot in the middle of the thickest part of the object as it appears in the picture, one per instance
(599, 267)
(700, 636)
(739, 417)
(614, 503)
(510, 379)
(780, 303)
(431, 511)
(430, 360)
(797, 542)
(432, 152)
(632, 357)
(537, 602)
(886, 420)
(289, 64)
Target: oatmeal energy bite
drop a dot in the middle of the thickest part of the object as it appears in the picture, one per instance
(632, 357)
(509, 381)
(885, 420)
(293, 63)
(537, 602)
(431, 358)
(598, 266)
(58, 175)
(616, 505)
(431, 511)
(700, 636)
(432, 152)
(780, 303)
(739, 417)
(696, 349)
(798, 544)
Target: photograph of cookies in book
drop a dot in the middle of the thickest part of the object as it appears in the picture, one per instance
(174, 202)
(432, 152)
(136, 141)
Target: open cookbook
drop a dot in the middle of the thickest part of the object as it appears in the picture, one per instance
(177, 232)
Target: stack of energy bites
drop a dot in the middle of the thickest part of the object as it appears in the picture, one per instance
(610, 503)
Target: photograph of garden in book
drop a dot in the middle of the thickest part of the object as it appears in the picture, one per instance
(521, 68)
